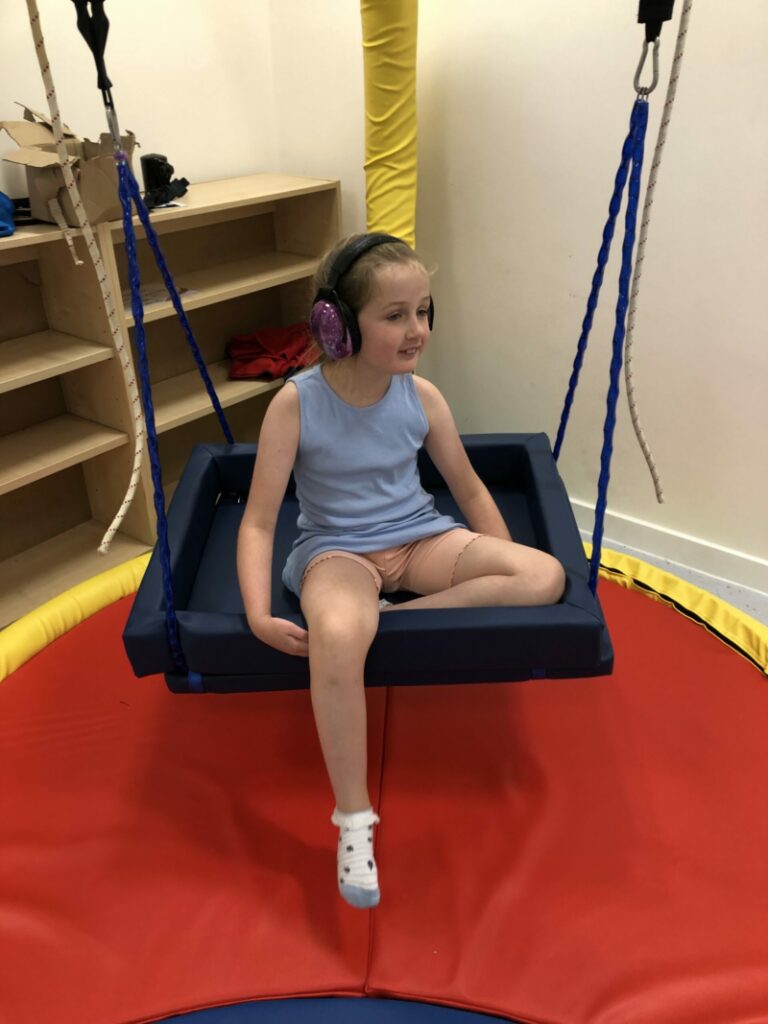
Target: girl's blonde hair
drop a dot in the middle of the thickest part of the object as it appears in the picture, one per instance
(356, 286)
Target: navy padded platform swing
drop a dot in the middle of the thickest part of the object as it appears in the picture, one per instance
(457, 645)
(188, 620)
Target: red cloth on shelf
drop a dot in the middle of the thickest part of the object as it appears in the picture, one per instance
(271, 352)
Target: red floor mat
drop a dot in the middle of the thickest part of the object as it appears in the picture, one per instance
(583, 852)
(160, 852)
(579, 852)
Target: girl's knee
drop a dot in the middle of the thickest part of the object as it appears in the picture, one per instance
(338, 626)
(547, 580)
(345, 632)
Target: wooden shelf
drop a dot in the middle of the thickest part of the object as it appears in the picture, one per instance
(30, 454)
(182, 399)
(36, 357)
(32, 234)
(229, 194)
(228, 281)
(206, 197)
(48, 569)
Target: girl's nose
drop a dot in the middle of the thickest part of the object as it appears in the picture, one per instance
(414, 326)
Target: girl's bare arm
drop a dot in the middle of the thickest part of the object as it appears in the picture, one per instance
(444, 447)
(278, 444)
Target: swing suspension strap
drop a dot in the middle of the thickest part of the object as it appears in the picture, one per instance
(630, 166)
(94, 26)
(652, 13)
(132, 190)
(171, 622)
(129, 192)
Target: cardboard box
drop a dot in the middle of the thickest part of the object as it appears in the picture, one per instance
(94, 169)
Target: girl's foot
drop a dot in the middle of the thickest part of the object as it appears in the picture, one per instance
(357, 874)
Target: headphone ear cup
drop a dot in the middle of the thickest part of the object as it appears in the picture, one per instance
(353, 328)
(329, 326)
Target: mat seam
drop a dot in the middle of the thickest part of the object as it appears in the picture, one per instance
(372, 915)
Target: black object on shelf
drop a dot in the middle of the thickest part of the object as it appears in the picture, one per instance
(158, 186)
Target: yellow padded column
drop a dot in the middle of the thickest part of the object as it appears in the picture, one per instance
(389, 56)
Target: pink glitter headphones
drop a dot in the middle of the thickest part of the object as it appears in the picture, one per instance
(333, 324)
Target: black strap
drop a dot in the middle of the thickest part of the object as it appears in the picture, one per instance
(652, 14)
(94, 27)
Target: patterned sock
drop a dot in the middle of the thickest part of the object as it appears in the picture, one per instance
(356, 867)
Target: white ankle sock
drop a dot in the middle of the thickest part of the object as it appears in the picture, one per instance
(356, 866)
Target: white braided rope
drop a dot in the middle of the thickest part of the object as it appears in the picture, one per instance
(645, 222)
(109, 304)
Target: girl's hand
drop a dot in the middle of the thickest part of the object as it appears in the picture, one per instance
(281, 634)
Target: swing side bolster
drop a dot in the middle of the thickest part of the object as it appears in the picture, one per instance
(189, 520)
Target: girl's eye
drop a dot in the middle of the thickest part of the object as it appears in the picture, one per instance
(423, 312)
(393, 316)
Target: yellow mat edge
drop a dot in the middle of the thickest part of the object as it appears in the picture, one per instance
(731, 625)
(27, 636)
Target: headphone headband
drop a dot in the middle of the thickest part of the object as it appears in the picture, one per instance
(352, 252)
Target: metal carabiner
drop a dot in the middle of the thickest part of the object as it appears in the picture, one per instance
(645, 90)
(114, 129)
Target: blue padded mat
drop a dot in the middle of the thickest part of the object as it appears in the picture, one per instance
(333, 1011)
(456, 645)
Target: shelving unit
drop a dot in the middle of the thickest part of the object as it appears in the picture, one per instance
(242, 252)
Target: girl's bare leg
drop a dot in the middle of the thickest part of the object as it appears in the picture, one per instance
(493, 572)
(341, 605)
(340, 602)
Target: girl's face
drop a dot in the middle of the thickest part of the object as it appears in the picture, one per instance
(394, 322)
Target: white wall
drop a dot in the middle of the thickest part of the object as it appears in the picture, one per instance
(318, 67)
(522, 111)
(192, 80)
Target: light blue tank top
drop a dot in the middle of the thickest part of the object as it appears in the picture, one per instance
(357, 479)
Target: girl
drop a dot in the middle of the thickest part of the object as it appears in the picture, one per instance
(350, 429)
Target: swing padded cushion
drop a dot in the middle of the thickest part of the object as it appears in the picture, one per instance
(461, 645)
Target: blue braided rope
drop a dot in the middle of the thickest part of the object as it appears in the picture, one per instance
(597, 280)
(171, 622)
(143, 213)
(639, 124)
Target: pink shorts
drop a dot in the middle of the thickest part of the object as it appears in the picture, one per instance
(424, 566)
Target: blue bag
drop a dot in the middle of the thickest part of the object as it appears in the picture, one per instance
(7, 226)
